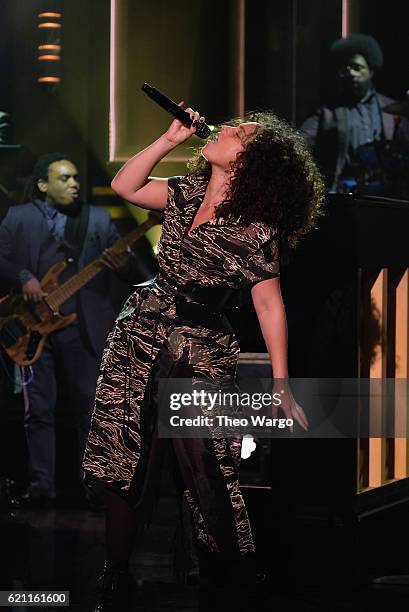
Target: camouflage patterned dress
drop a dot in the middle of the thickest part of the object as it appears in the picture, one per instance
(150, 340)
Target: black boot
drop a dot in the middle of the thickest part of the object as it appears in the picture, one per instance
(115, 589)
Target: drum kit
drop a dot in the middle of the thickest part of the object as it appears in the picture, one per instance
(381, 168)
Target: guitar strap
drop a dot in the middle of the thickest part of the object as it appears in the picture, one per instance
(75, 231)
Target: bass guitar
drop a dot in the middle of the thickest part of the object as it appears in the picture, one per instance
(25, 325)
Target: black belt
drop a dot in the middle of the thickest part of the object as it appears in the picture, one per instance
(191, 313)
(205, 306)
(217, 299)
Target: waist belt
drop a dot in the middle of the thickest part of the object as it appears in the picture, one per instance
(216, 299)
(204, 306)
(191, 313)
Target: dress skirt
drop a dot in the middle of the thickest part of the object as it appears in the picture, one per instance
(205, 469)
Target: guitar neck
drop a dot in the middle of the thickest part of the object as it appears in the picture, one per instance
(76, 282)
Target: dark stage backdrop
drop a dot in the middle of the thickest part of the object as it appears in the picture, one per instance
(388, 23)
(284, 44)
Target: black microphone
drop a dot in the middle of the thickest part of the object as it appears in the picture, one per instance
(202, 130)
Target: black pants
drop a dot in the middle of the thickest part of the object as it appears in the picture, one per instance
(65, 354)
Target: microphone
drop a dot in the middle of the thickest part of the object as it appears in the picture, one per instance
(202, 130)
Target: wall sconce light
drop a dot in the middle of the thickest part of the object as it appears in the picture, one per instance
(49, 27)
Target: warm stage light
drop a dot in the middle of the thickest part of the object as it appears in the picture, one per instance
(49, 47)
(48, 79)
(49, 24)
(52, 15)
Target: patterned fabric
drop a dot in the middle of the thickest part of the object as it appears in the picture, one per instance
(215, 253)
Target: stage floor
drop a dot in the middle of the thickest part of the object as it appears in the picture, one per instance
(63, 549)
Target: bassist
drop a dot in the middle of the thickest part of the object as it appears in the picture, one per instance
(52, 227)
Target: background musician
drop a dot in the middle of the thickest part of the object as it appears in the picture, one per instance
(350, 132)
(55, 226)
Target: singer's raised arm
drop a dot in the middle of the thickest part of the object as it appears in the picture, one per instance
(133, 181)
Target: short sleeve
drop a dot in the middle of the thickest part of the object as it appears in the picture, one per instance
(263, 264)
(174, 190)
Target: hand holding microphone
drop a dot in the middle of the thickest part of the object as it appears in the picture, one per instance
(187, 122)
(178, 132)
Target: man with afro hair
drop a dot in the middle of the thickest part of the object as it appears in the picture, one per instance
(352, 121)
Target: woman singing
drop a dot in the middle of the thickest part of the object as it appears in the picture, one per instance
(251, 187)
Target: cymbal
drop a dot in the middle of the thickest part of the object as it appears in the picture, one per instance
(397, 108)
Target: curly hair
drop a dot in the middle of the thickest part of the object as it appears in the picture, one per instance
(365, 45)
(274, 179)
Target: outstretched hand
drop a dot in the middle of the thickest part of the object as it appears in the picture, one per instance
(288, 405)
